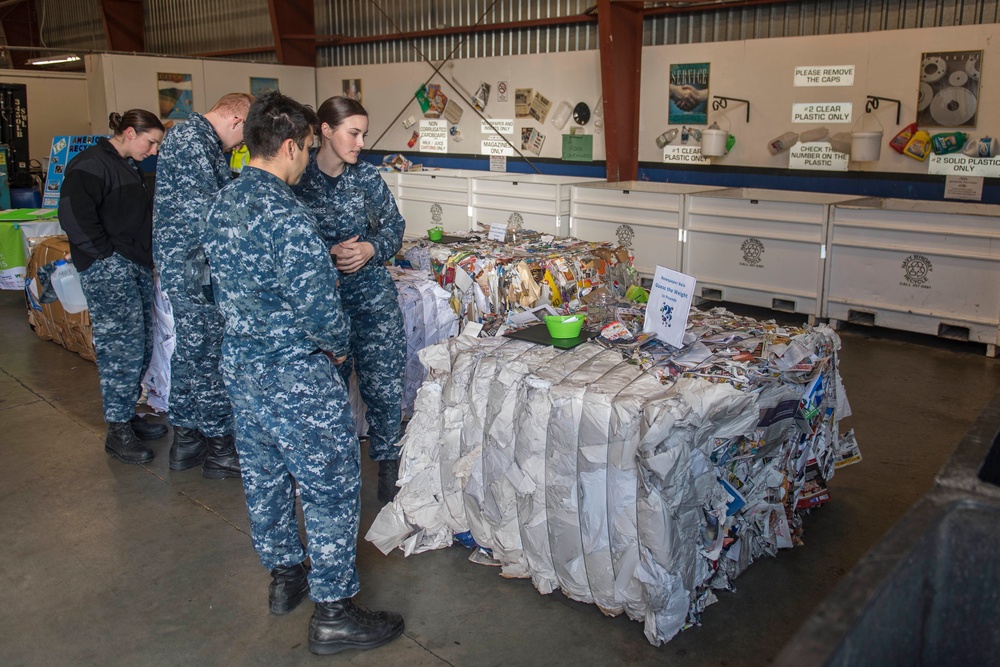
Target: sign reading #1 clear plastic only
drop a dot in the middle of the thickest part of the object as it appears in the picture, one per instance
(684, 155)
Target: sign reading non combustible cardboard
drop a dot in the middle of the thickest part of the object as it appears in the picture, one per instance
(816, 155)
(962, 165)
(495, 145)
(831, 75)
(684, 155)
(433, 136)
(502, 125)
(822, 112)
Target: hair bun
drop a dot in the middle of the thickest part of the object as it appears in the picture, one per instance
(114, 121)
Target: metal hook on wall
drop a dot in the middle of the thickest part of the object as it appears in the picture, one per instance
(720, 102)
(872, 103)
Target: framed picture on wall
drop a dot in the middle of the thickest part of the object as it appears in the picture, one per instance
(261, 85)
(948, 94)
(689, 94)
(352, 89)
(175, 94)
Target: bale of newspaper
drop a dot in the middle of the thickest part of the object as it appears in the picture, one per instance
(639, 479)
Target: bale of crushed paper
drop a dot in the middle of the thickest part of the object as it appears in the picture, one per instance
(635, 480)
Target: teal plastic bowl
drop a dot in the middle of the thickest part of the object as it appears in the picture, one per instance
(565, 326)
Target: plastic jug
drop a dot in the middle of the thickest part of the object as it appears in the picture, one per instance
(66, 282)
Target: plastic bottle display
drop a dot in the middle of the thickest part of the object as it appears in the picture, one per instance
(899, 141)
(666, 137)
(782, 143)
(948, 142)
(919, 146)
(66, 282)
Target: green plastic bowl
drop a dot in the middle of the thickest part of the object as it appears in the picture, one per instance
(565, 326)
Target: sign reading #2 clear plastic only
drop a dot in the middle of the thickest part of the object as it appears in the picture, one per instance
(64, 149)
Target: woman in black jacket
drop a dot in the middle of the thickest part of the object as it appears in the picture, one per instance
(106, 211)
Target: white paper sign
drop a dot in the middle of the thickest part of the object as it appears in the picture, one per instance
(495, 145)
(498, 163)
(822, 112)
(963, 165)
(669, 305)
(827, 75)
(684, 154)
(498, 231)
(433, 136)
(817, 155)
(503, 126)
(969, 188)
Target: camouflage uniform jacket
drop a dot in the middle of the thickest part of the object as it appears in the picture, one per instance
(273, 277)
(191, 168)
(362, 206)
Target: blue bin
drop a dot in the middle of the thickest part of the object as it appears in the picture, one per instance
(25, 198)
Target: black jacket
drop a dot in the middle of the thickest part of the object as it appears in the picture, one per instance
(104, 208)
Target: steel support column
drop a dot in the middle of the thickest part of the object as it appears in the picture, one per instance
(620, 30)
(124, 25)
(289, 20)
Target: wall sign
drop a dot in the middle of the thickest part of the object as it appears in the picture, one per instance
(822, 112)
(495, 145)
(817, 155)
(502, 125)
(830, 75)
(684, 155)
(962, 165)
(433, 136)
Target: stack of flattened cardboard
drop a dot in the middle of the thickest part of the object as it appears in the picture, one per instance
(50, 321)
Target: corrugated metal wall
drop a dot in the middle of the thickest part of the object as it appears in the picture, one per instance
(186, 27)
(71, 24)
(788, 19)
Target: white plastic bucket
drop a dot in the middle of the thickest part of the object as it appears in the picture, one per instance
(66, 282)
(713, 142)
(866, 146)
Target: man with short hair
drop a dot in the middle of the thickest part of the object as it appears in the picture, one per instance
(191, 169)
(285, 332)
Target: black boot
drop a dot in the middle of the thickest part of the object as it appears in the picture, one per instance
(122, 444)
(388, 473)
(341, 625)
(187, 450)
(146, 430)
(289, 587)
(222, 460)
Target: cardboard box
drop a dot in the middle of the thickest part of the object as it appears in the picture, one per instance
(50, 321)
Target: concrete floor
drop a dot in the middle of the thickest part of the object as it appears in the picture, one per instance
(109, 564)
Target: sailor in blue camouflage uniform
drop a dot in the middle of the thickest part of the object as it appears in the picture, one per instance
(106, 211)
(358, 218)
(276, 285)
(191, 169)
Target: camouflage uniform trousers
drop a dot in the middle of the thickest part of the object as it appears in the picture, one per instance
(120, 299)
(378, 356)
(294, 422)
(198, 397)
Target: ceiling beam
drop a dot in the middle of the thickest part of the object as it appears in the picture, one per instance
(289, 19)
(124, 25)
(620, 38)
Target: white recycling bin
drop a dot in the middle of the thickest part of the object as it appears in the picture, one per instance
(759, 247)
(646, 217)
(539, 202)
(924, 266)
(435, 198)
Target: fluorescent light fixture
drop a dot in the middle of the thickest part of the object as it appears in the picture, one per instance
(54, 60)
